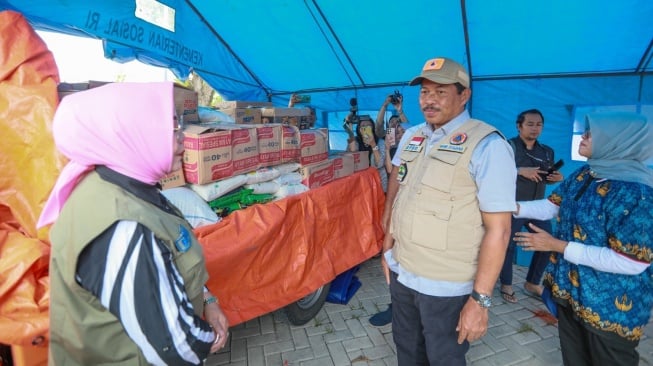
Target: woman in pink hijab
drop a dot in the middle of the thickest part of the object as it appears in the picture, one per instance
(127, 274)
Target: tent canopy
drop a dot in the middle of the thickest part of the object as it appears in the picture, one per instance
(553, 55)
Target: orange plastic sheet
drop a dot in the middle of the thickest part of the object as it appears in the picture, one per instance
(29, 166)
(267, 256)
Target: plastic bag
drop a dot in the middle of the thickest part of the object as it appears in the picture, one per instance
(264, 187)
(213, 190)
(196, 211)
(30, 165)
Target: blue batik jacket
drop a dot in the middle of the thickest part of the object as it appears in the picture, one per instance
(604, 213)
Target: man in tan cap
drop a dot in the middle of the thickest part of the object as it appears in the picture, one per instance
(447, 215)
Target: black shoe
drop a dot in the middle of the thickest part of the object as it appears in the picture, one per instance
(382, 318)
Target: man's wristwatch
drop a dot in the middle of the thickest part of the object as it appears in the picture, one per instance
(484, 300)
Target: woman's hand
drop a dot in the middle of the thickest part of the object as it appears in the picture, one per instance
(554, 177)
(347, 126)
(218, 321)
(540, 241)
(369, 141)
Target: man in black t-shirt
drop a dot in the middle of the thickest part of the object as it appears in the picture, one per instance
(533, 161)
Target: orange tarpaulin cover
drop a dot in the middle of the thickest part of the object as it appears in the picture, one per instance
(267, 256)
(29, 166)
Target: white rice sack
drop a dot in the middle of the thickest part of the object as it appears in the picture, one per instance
(289, 178)
(264, 187)
(213, 190)
(289, 190)
(262, 175)
(288, 167)
(196, 211)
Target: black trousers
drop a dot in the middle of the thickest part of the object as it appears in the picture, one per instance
(580, 347)
(424, 327)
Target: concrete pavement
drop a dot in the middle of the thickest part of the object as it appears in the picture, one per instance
(341, 334)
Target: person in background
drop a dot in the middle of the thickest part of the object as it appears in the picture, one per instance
(396, 127)
(533, 160)
(127, 273)
(600, 274)
(367, 140)
(312, 116)
(397, 102)
(448, 206)
(393, 135)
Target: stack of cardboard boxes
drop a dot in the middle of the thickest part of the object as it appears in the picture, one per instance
(262, 136)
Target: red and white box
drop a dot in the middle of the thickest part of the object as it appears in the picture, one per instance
(317, 174)
(244, 147)
(207, 155)
(361, 159)
(343, 165)
(314, 146)
(269, 144)
(290, 144)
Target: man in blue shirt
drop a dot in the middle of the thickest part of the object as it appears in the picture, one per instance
(452, 186)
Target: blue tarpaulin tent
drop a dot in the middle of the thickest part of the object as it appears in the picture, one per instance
(558, 56)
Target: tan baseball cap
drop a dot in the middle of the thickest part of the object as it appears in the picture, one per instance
(443, 70)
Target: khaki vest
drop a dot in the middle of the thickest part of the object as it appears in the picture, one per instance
(436, 220)
(82, 332)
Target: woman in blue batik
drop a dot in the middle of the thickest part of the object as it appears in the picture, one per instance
(600, 273)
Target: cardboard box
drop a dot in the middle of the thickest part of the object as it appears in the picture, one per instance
(65, 89)
(269, 144)
(244, 115)
(343, 165)
(361, 159)
(244, 147)
(290, 144)
(297, 117)
(172, 180)
(207, 157)
(186, 104)
(314, 146)
(317, 174)
(242, 104)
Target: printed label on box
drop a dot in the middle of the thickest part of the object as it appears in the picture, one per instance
(269, 144)
(314, 146)
(290, 144)
(318, 174)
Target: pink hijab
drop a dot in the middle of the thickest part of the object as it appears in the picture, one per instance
(128, 127)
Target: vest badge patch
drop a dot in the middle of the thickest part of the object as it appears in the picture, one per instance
(454, 148)
(182, 243)
(415, 144)
(402, 171)
(458, 139)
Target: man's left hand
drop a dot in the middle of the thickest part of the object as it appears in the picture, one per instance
(473, 321)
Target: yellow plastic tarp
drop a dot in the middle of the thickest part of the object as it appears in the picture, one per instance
(29, 166)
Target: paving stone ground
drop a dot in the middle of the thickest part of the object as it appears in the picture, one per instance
(341, 334)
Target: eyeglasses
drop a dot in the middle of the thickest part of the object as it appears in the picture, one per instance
(586, 135)
(177, 125)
